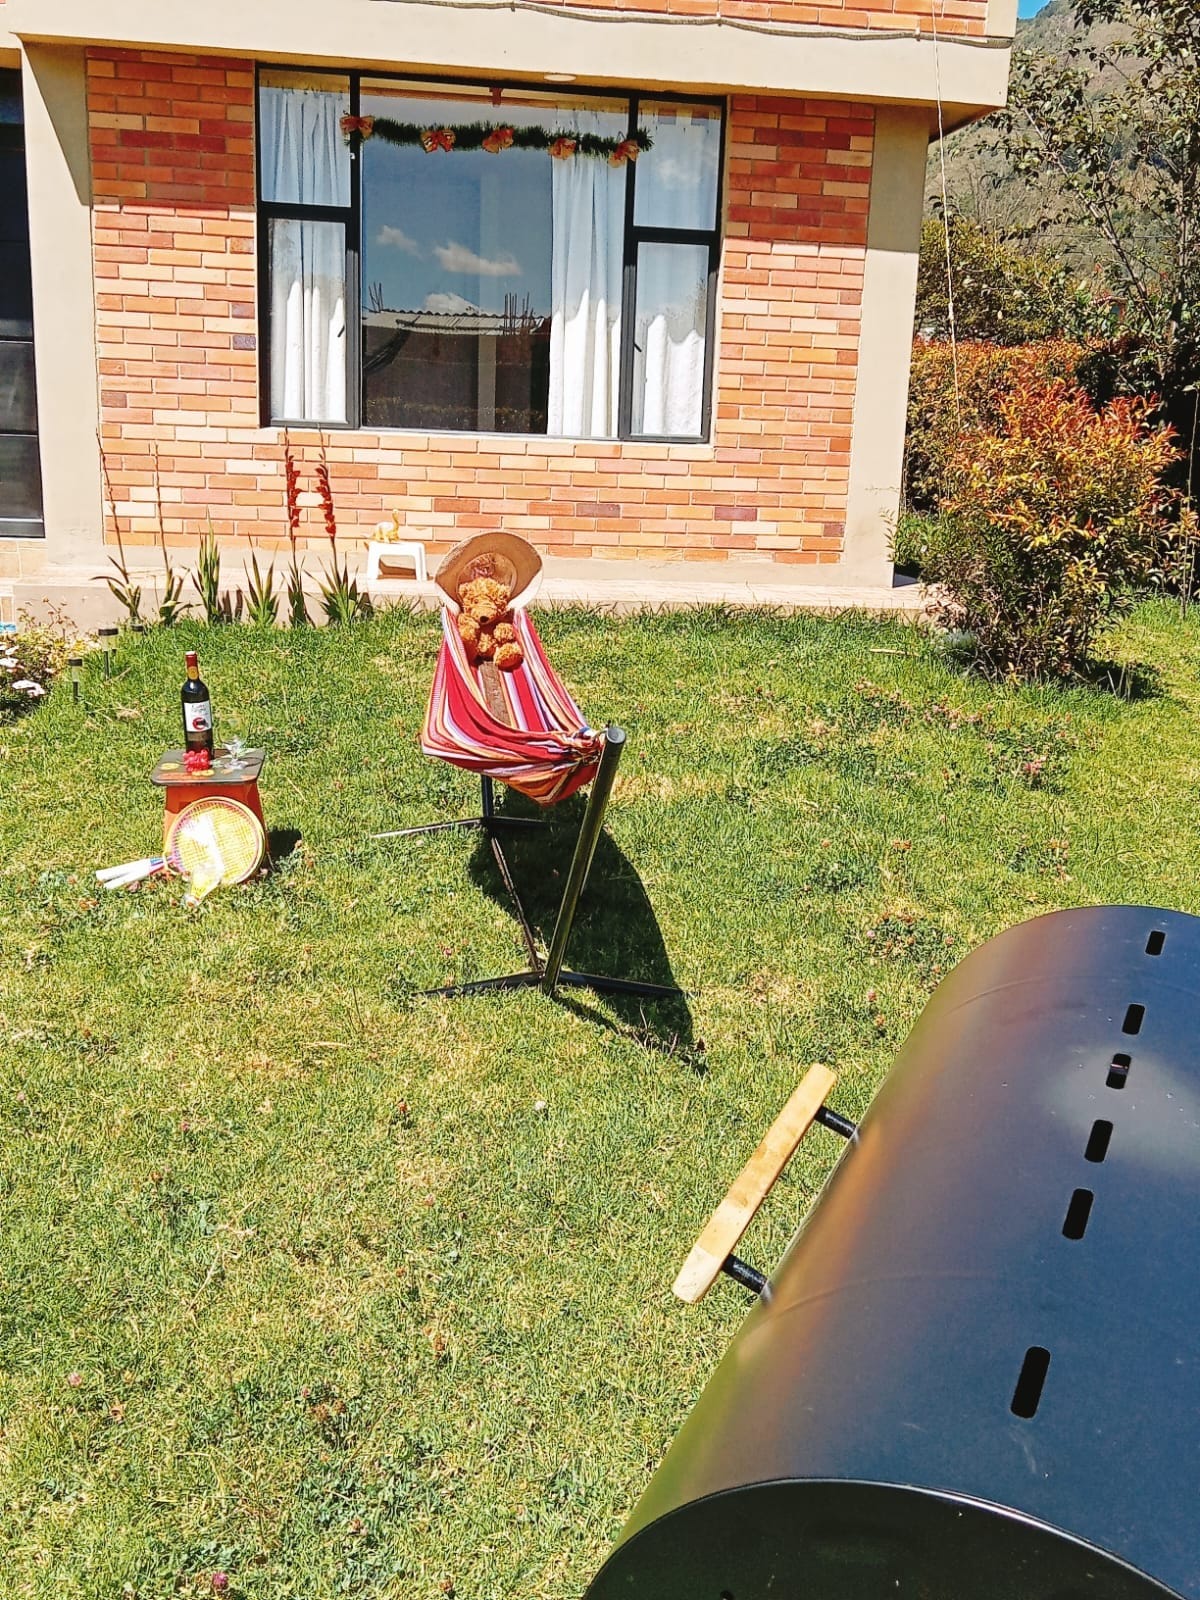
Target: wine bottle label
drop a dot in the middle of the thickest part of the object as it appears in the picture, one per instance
(197, 716)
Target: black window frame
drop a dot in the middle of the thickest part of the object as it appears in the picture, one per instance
(351, 218)
(12, 138)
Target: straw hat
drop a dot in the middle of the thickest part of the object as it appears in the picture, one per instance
(503, 556)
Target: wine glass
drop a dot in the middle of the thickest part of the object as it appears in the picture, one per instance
(235, 749)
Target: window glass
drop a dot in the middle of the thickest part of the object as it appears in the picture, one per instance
(668, 361)
(305, 159)
(14, 201)
(308, 320)
(20, 480)
(16, 292)
(18, 401)
(676, 183)
(10, 97)
(466, 269)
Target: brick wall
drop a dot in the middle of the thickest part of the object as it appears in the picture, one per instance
(173, 171)
(949, 16)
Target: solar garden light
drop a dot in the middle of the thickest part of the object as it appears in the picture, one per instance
(108, 643)
(76, 665)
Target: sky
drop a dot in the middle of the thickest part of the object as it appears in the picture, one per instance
(1029, 8)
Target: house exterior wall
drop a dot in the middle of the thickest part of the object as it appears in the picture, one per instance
(144, 227)
(173, 187)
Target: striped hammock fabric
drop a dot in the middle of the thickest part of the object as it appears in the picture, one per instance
(542, 747)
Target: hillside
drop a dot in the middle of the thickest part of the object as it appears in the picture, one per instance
(979, 181)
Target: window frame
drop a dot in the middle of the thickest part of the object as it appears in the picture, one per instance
(12, 139)
(351, 218)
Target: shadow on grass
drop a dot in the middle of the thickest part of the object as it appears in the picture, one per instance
(615, 933)
(280, 844)
(1125, 680)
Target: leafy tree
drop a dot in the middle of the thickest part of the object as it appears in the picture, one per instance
(1002, 294)
(1118, 123)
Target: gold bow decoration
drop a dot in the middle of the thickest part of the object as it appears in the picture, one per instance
(563, 148)
(499, 139)
(437, 139)
(627, 150)
(364, 127)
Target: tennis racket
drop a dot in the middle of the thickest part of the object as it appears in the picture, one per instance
(213, 841)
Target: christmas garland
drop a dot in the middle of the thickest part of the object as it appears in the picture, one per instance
(561, 143)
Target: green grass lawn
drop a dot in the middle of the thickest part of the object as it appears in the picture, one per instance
(345, 1291)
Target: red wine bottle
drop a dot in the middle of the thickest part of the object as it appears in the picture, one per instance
(197, 709)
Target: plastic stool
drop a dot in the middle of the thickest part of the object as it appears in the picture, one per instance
(383, 549)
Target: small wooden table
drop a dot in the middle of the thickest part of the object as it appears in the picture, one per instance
(181, 787)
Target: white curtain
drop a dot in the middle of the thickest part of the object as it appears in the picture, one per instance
(676, 188)
(668, 360)
(585, 323)
(305, 162)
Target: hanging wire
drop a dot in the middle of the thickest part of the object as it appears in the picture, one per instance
(937, 87)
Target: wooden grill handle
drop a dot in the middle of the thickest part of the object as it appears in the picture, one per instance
(752, 1185)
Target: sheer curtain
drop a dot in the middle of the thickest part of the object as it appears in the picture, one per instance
(305, 162)
(676, 188)
(669, 328)
(588, 209)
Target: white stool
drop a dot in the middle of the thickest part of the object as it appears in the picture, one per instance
(386, 549)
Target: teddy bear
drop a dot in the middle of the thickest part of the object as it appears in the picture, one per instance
(485, 622)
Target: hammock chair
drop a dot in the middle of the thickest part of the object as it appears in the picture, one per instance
(521, 728)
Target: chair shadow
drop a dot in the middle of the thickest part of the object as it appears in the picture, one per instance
(615, 933)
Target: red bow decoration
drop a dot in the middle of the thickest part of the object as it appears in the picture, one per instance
(499, 139)
(437, 139)
(563, 149)
(363, 126)
(627, 150)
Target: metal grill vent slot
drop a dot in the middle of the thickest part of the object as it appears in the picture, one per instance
(1133, 1019)
(1027, 1395)
(1097, 1145)
(1155, 943)
(1118, 1072)
(1078, 1212)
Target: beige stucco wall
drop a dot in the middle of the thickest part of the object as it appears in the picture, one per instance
(672, 51)
(885, 346)
(1002, 18)
(64, 336)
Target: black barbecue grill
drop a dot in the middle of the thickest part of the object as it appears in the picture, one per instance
(976, 1371)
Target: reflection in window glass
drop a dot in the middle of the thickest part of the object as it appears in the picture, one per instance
(20, 480)
(470, 258)
(18, 399)
(668, 361)
(676, 184)
(308, 320)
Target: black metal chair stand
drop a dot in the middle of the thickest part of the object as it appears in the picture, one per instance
(492, 823)
(550, 974)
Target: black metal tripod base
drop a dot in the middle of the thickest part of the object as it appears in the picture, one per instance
(573, 980)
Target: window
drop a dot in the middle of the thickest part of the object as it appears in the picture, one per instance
(522, 262)
(20, 469)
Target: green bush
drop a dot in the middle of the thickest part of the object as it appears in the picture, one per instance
(1053, 521)
(986, 375)
(911, 541)
(1002, 294)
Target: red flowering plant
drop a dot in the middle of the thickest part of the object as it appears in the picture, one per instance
(1054, 519)
(297, 611)
(341, 598)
